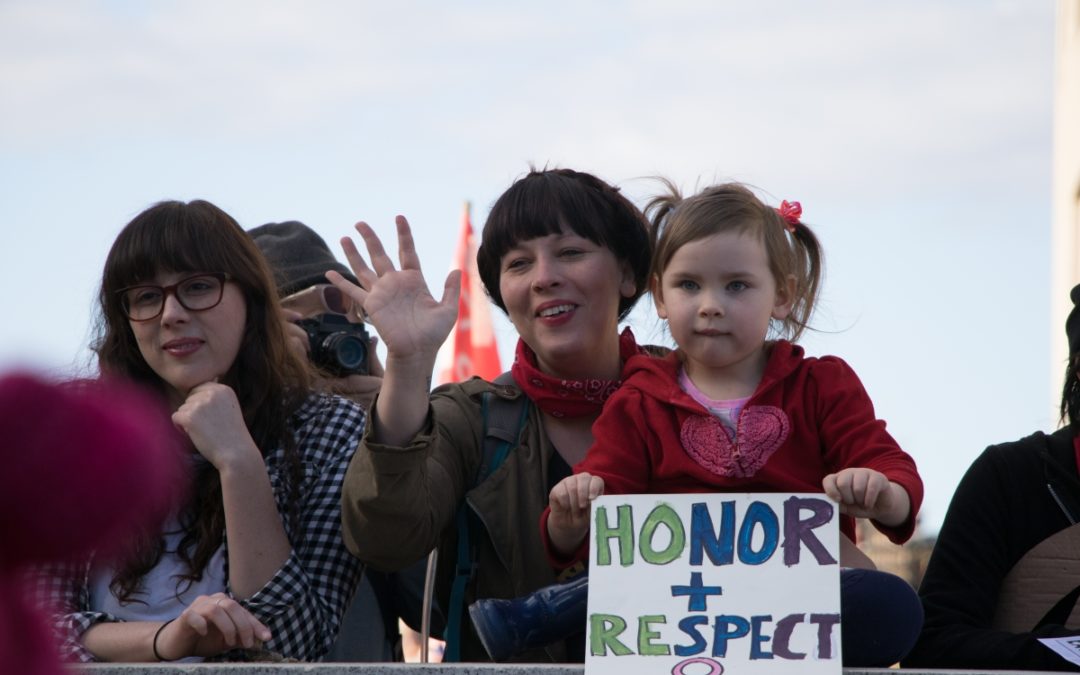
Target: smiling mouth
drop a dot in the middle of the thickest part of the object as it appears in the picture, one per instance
(181, 346)
(554, 311)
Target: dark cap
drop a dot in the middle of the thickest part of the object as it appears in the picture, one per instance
(298, 256)
(1072, 324)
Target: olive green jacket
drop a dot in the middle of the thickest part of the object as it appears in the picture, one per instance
(400, 502)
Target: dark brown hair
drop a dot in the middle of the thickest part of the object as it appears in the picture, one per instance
(269, 380)
(551, 200)
(677, 221)
(1070, 394)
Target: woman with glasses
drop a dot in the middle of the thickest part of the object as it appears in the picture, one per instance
(252, 563)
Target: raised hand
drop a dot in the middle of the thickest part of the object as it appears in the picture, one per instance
(258, 546)
(571, 501)
(865, 493)
(410, 322)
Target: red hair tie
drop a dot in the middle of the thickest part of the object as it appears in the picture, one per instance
(791, 212)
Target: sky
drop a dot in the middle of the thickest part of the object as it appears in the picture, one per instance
(916, 135)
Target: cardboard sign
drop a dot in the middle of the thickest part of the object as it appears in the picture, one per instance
(704, 584)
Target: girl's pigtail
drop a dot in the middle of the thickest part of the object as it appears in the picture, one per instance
(657, 212)
(810, 261)
(807, 270)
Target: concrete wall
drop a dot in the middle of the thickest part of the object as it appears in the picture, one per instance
(414, 669)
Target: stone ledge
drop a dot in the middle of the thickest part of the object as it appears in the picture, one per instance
(417, 669)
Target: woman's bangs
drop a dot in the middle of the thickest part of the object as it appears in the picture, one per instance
(165, 245)
(543, 209)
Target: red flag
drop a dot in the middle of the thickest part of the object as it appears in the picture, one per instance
(471, 348)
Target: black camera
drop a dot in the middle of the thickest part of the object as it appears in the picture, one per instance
(338, 346)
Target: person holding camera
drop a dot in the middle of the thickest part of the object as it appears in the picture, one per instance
(325, 327)
(250, 563)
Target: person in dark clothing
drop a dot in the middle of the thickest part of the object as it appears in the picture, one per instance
(299, 259)
(996, 582)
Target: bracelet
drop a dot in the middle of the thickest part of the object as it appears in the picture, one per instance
(157, 655)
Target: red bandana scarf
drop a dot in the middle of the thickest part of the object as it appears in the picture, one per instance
(567, 398)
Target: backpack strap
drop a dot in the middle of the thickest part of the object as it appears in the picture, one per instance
(463, 571)
(503, 421)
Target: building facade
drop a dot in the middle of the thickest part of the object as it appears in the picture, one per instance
(1065, 208)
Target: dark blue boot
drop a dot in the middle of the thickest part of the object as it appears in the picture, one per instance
(553, 613)
(881, 617)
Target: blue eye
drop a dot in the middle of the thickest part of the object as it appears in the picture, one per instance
(738, 286)
(688, 285)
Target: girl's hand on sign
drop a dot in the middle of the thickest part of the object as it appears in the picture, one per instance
(570, 502)
(865, 493)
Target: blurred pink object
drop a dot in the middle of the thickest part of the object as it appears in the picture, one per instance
(86, 465)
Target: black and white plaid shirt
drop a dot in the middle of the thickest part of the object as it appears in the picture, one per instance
(303, 603)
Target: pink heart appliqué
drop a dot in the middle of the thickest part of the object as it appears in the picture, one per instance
(761, 430)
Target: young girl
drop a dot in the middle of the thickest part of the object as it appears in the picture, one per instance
(255, 555)
(732, 410)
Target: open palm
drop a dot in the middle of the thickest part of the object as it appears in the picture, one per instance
(409, 320)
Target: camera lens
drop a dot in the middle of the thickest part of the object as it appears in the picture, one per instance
(348, 352)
